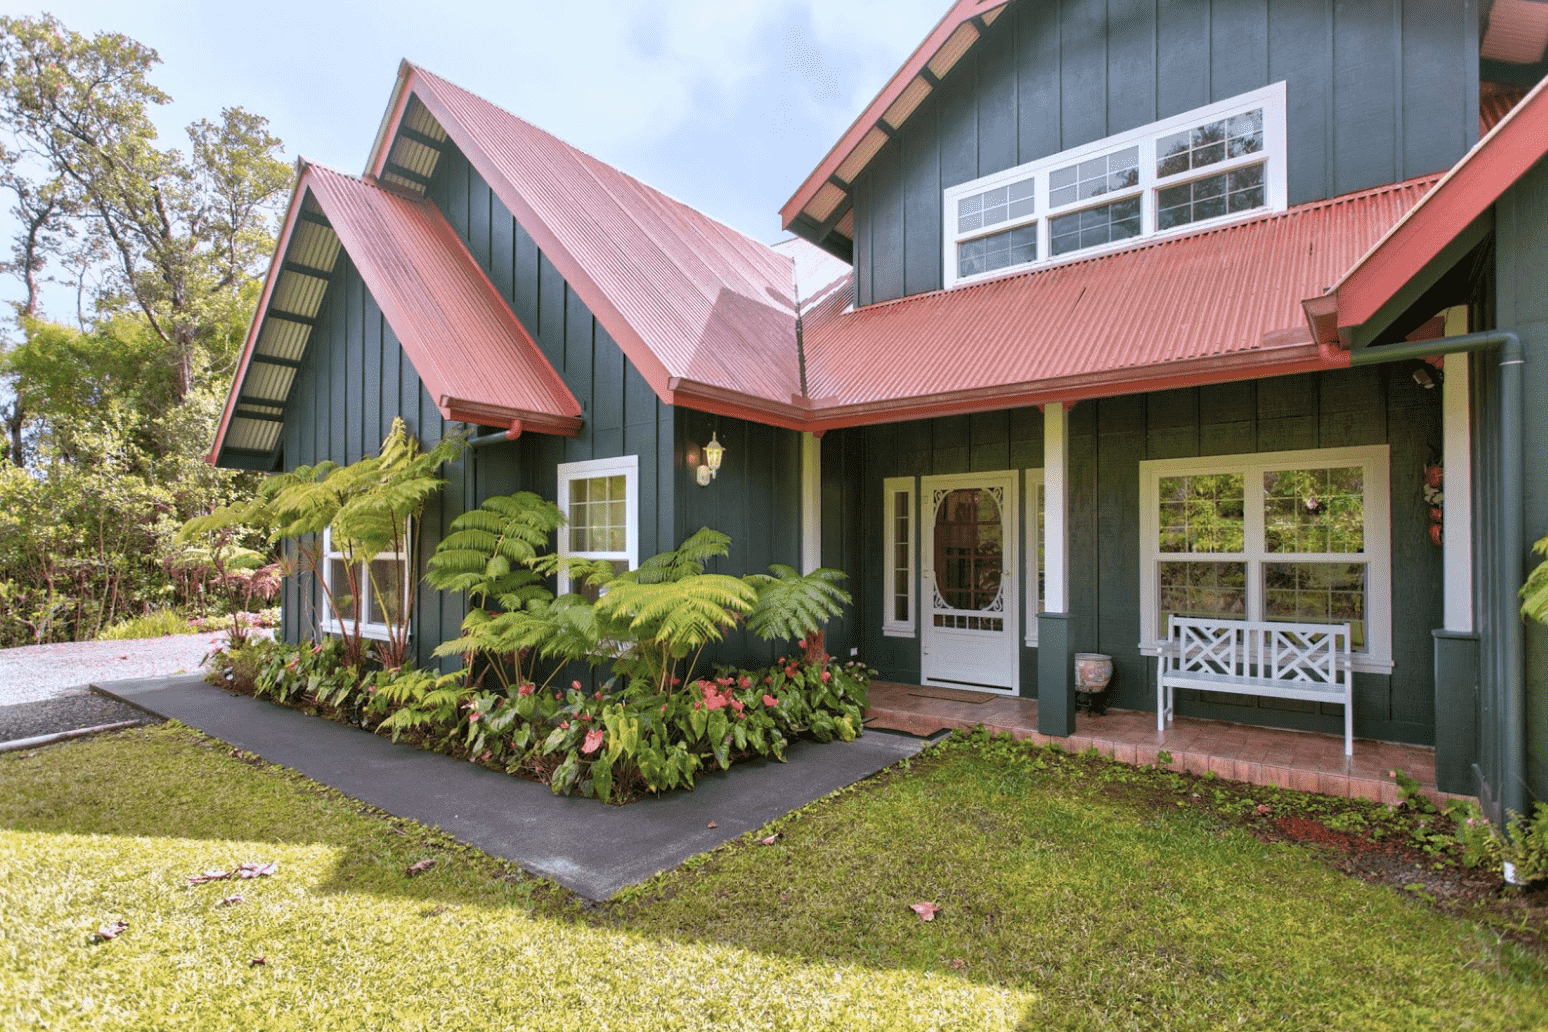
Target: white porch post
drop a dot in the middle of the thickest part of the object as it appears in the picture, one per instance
(811, 502)
(1055, 657)
(1457, 456)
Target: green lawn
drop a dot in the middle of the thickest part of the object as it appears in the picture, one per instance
(1065, 904)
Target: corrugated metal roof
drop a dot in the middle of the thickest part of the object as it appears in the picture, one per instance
(1228, 294)
(687, 298)
(1495, 102)
(474, 357)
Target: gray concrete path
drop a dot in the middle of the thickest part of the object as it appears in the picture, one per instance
(591, 849)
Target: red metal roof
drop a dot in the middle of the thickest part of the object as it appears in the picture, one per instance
(1510, 149)
(698, 307)
(474, 357)
(1213, 306)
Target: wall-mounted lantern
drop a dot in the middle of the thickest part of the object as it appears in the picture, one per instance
(714, 452)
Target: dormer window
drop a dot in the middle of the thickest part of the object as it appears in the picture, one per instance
(1203, 168)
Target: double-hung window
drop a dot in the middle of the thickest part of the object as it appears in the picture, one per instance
(600, 499)
(1202, 168)
(377, 589)
(1300, 537)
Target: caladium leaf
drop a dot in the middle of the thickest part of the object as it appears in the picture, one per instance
(421, 867)
(231, 900)
(925, 910)
(256, 870)
(770, 840)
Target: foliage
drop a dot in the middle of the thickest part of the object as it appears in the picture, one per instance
(222, 565)
(157, 624)
(1527, 846)
(368, 507)
(1534, 592)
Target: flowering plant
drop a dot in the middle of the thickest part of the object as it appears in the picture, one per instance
(1435, 498)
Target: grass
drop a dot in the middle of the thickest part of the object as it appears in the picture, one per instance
(1067, 903)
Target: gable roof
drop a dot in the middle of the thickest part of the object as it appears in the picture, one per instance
(474, 357)
(1202, 308)
(706, 314)
(820, 209)
(1511, 148)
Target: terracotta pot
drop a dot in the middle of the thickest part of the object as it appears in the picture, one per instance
(1092, 671)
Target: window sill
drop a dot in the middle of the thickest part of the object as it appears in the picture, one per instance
(898, 632)
(375, 632)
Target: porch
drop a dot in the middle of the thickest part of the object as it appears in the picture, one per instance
(1299, 760)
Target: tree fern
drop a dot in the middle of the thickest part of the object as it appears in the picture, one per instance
(1535, 591)
(792, 606)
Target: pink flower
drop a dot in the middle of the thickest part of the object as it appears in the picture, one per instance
(585, 716)
(596, 695)
(827, 676)
(744, 681)
(558, 696)
(473, 716)
(593, 741)
(564, 725)
(770, 701)
(738, 705)
(525, 689)
(801, 644)
(576, 685)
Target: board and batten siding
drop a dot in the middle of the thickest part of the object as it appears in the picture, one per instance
(354, 379)
(1378, 91)
(1108, 440)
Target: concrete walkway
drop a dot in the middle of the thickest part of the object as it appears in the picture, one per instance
(590, 849)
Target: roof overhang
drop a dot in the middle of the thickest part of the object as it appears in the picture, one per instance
(1454, 211)
(820, 209)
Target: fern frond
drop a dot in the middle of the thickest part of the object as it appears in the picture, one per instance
(792, 606)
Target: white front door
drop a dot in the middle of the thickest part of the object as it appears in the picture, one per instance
(969, 584)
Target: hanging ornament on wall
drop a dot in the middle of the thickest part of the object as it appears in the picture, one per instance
(1435, 498)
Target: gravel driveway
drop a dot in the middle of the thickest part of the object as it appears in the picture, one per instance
(45, 688)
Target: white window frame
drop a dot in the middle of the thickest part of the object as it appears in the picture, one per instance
(1270, 98)
(589, 469)
(1034, 511)
(892, 627)
(330, 623)
(1376, 460)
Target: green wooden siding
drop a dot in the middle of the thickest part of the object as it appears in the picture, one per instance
(1378, 91)
(1108, 440)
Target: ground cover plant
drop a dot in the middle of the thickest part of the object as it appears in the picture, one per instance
(1071, 894)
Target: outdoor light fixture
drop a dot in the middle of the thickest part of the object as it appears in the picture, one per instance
(1423, 378)
(714, 452)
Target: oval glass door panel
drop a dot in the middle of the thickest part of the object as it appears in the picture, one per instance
(969, 552)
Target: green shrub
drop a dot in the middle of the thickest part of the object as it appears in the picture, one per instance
(157, 624)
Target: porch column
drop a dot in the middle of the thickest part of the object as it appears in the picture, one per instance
(1055, 656)
(811, 502)
(1456, 644)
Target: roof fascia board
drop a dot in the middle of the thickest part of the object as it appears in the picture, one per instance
(1510, 149)
(618, 327)
(961, 11)
(391, 118)
(282, 246)
(1358, 338)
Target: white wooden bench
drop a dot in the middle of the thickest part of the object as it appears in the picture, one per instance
(1247, 657)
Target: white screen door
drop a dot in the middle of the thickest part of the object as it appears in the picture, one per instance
(969, 637)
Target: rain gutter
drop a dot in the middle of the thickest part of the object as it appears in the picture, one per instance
(1512, 540)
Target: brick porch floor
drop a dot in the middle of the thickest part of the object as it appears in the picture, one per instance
(1297, 760)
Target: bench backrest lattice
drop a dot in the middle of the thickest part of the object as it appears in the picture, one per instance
(1252, 657)
(1314, 653)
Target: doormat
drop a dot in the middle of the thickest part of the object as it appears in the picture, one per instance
(952, 695)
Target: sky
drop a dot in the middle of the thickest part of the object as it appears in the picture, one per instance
(724, 104)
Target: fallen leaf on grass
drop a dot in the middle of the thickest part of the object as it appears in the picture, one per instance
(958, 965)
(230, 901)
(434, 911)
(768, 841)
(256, 870)
(420, 868)
(208, 876)
(712, 824)
(258, 962)
(926, 911)
(110, 931)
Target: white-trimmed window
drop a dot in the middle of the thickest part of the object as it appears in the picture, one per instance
(600, 499)
(1036, 568)
(1203, 168)
(898, 571)
(379, 592)
(1301, 536)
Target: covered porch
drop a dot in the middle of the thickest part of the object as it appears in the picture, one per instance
(1299, 760)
